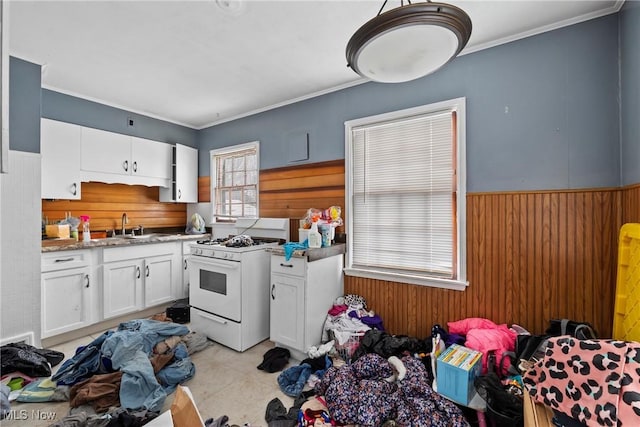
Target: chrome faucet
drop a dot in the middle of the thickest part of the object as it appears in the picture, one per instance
(125, 220)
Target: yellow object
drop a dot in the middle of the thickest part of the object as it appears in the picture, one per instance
(58, 231)
(626, 320)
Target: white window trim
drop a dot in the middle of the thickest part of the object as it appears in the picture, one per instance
(213, 173)
(459, 105)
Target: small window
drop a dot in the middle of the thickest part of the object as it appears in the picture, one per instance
(234, 182)
(406, 196)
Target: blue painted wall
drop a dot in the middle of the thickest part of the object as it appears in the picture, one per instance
(66, 108)
(561, 130)
(24, 105)
(630, 91)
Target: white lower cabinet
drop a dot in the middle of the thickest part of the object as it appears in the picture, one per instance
(158, 272)
(122, 287)
(301, 294)
(287, 311)
(138, 277)
(68, 287)
(83, 287)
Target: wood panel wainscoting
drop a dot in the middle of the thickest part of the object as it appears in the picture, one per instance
(531, 256)
(105, 204)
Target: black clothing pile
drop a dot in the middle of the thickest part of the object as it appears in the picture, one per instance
(25, 358)
(386, 345)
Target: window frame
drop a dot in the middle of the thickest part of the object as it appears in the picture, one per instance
(253, 145)
(458, 107)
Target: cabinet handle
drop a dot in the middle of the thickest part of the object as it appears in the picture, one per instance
(147, 271)
(286, 265)
(138, 272)
(179, 194)
(63, 260)
(185, 264)
(86, 278)
(74, 189)
(135, 166)
(125, 165)
(273, 291)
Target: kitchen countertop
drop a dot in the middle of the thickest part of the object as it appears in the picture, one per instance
(313, 254)
(119, 241)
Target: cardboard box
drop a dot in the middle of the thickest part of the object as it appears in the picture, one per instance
(536, 414)
(183, 412)
(457, 368)
(58, 231)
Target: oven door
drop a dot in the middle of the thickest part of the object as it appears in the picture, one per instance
(215, 286)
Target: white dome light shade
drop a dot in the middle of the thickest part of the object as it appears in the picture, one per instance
(402, 54)
(408, 42)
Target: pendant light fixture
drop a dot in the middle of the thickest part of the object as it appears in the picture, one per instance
(408, 42)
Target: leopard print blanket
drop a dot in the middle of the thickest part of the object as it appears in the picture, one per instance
(594, 381)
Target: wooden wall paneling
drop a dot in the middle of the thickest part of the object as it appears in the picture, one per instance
(105, 204)
(531, 257)
(289, 192)
(204, 189)
(631, 203)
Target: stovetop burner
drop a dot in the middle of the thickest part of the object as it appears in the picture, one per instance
(239, 241)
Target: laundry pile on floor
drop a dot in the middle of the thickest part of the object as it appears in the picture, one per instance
(386, 380)
(125, 373)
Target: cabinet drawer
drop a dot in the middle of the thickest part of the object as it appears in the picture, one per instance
(124, 253)
(63, 260)
(294, 266)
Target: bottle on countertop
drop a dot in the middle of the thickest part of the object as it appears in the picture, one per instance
(86, 234)
(315, 239)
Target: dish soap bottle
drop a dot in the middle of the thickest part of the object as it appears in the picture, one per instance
(86, 234)
(315, 240)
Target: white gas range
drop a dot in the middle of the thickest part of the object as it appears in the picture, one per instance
(229, 282)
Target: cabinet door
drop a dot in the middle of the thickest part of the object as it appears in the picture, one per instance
(158, 272)
(186, 174)
(106, 152)
(60, 150)
(287, 311)
(65, 300)
(151, 158)
(122, 287)
(184, 187)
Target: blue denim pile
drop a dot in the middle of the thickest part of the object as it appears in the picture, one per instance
(128, 349)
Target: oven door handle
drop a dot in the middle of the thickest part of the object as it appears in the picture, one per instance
(214, 318)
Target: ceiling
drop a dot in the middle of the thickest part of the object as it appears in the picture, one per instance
(200, 63)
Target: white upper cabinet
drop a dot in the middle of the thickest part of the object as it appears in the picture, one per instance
(151, 158)
(60, 150)
(184, 187)
(106, 152)
(115, 158)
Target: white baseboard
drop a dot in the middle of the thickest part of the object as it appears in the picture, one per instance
(27, 338)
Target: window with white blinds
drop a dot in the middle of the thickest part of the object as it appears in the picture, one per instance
(234, 177)
(403, 194)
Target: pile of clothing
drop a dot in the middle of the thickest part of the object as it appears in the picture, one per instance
(347, 321)
(135, 367)
(373, 391)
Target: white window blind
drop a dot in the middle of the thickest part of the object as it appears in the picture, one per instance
(405, 189)
(236, 183)
(403, 196)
